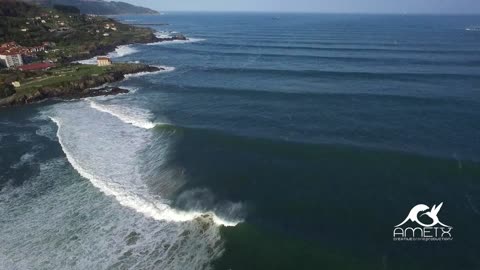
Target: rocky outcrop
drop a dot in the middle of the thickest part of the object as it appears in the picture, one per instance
(78, 88)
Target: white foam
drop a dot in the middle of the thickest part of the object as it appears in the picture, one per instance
(131, 89)
(137, 117)
(163, 69)
(109, 158)
(167, 42)
(120, 51)
(57, 221)
(169, 35)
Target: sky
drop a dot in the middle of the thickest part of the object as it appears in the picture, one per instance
(323, 6)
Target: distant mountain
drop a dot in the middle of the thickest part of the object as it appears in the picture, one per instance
(98, 7)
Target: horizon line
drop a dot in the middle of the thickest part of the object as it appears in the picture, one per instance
(319, 12)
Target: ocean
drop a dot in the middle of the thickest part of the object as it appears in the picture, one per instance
(270, 141)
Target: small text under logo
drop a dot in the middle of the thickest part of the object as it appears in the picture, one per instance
(413, 227)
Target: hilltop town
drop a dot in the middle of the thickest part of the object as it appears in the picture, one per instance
(38, 43)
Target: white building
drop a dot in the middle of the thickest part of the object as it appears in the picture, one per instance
(11, 60)
(103, 61)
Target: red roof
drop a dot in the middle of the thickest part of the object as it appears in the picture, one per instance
(36, 66)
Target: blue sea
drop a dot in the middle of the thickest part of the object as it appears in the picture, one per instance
(270, 141)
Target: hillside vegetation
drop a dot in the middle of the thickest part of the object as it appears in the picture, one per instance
(98, 7)
(75, 35)
(69, 36)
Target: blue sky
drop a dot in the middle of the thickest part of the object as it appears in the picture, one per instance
(337, 6)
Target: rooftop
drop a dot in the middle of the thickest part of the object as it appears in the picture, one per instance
(36, 66)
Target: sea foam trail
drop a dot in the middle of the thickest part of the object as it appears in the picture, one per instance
(108, 159)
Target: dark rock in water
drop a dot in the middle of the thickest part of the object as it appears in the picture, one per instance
(105, 91)
(173, 37)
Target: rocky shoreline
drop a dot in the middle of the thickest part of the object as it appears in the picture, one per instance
(106, 49)
(85, 88)
(79, 89)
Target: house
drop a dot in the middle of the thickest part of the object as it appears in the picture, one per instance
(37, 49)
(16, 84)
(11, 59)
(36, 66)
(103, 61)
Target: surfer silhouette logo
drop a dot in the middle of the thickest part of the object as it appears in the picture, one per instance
(423, 230)
(432, 214)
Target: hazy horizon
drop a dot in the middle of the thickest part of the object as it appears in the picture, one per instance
(471, 7)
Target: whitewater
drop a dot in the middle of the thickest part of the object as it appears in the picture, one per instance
(123, 183)
(120, 51)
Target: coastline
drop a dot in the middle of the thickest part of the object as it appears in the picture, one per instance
(85, 86)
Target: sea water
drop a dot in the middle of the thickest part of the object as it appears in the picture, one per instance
(270, 141)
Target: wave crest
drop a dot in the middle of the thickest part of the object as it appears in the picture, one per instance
(136, 117)
(163, 69)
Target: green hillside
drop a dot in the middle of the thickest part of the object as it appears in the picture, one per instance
(98, 7)
(75, 35)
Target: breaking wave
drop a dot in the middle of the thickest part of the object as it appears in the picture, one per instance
(58, 222)
(111, 160)
(120, 51)
(163, 69)
(136, 117)
(168, 35)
